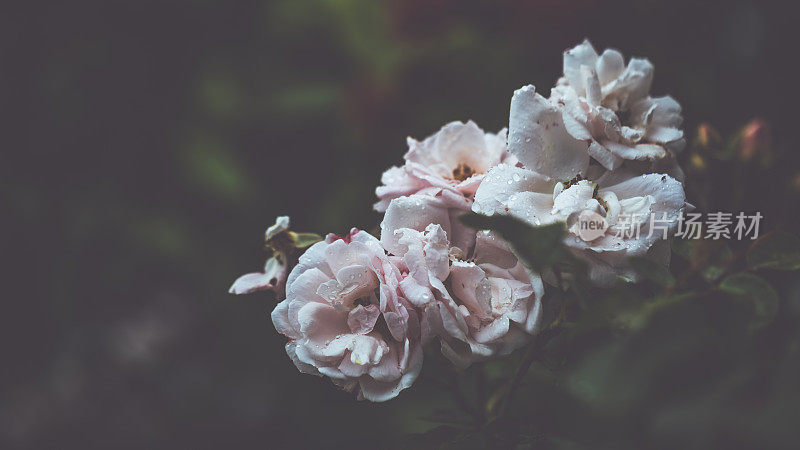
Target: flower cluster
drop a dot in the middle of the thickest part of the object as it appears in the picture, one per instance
(359, 309)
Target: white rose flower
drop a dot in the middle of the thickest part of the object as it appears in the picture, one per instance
(608, 104)
(625, 206)
(553, 187)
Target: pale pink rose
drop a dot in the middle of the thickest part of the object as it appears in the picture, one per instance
(477, 307)
(451, 163)
(346, 319)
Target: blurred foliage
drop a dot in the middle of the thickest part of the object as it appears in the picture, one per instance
(149, 144)
(777, 250)
(692, 361)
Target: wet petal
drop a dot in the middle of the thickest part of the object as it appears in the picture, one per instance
(504, 181)
(538, 138)
(415, 212)
(320, 319)
(469, 286)
(667, 193)
(531, 207)
(362, 319)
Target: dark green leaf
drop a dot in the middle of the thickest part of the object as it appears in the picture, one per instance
(652, 271)
(775, 250)
(540, 247)
(711, 258)
(759, 292)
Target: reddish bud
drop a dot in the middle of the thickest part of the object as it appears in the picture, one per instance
(707, 136)
(755, 140)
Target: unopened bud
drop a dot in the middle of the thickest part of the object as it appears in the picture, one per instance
(708, 137)
(755, 140)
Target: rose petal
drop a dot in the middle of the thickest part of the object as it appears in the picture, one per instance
(470, 286)
(415, 212)
(639, 152)
(609, 65)
(537, 137)
(504, 181)
(582, 54)
(301, 366)
(281, 225)
(253, 282)
(362, 319)
(604, 156)
(280, 319)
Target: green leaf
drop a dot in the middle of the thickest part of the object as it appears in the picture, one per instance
(652, 271)
(776, 250)
(540, 246)
(303, 240)
(751, 288)
(711, 258)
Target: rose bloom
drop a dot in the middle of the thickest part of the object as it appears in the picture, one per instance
(346, 318)
(479, 305)
(552, 187)
(608, 104)
(448, 165)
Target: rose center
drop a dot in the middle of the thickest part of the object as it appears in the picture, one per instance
(462, 172)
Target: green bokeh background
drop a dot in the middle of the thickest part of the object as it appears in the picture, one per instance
(149, 144)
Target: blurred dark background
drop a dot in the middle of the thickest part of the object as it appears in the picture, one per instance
(148, 144)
